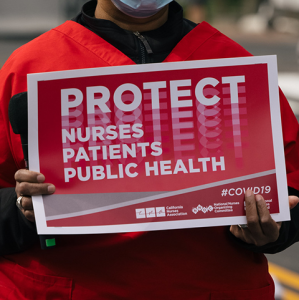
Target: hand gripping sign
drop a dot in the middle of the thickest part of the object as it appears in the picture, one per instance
(157, 146)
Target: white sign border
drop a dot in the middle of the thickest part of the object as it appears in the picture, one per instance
(270, 60)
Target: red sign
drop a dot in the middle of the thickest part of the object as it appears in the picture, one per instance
(156, 146)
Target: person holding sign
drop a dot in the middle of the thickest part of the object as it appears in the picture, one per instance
(196, 263)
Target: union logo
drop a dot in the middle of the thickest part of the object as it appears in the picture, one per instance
(195, 210)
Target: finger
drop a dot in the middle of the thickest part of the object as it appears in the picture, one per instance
(252, 214)
(293, 201)
(32, 189)
(27, 209)
(268, 225)
(236, 231)
(29, 215)
(242, 234)
(29, 176)
(26, 203)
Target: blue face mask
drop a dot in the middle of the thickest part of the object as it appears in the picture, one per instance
(140, 8)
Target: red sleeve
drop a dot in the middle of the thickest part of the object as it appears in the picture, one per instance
(11, 154)
(290, 130)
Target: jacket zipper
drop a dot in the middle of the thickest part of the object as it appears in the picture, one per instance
(145, 47)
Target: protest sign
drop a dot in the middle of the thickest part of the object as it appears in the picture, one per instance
(157, 146)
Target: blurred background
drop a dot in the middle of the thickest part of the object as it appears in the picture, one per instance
(263, 27)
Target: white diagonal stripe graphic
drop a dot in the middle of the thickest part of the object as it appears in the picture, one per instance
(160, 196)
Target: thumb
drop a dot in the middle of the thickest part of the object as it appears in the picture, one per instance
(293, 201)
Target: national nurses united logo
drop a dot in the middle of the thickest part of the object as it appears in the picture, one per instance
(203, 209)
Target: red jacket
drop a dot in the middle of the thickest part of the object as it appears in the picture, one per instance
(201, 263)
